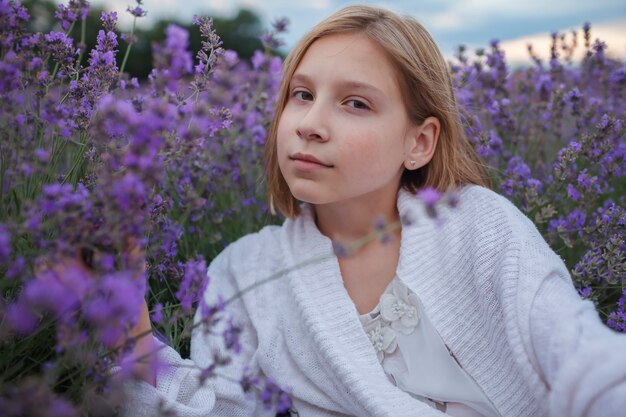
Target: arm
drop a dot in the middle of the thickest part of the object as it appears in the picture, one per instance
(581, 361)
(177, 386)
(144, 346)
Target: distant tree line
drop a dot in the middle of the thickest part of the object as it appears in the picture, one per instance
(240, 33)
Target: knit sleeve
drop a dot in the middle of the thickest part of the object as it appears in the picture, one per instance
(580, 360)
(178, 387)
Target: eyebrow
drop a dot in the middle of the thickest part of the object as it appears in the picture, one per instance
(343, 83)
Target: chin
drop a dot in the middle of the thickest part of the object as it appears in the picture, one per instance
(306, 196)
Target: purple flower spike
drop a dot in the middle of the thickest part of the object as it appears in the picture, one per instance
(157, 313)
(75, 10)
(430, 197)
(267, 391)
(112, 305)
(211, 313)
(584, 292)
(5, 244)
(381, 229)
(193, 284)
(617, 319)
(61, 408)
(172, 60)
(60, 292)
(340, 249)
(231, 337)
(280, 25)
(137, 11)
(21, 317)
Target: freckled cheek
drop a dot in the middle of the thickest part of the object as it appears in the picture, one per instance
(366, 147)
(373, 153)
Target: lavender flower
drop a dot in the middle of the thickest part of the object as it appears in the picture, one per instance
(231, 336)
(157, 313)
(62, 49)
(430, 197)
(95, 162)
(99, 167)
(382, 230)
(21, 317)
(5, 244)
(193, 284)
(617, 319)
(267, 391)
(209, 54)
(12, 18)
(211, 370)
(112, 305)
(340, 249)
(137, 11)
(75, 10)
(584, 292)
(270, 40)
(172, 60)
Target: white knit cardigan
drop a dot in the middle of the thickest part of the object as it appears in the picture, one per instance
(500, 298)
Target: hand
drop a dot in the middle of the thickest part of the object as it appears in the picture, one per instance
(142, 331)
(143, 346)
(136, 256)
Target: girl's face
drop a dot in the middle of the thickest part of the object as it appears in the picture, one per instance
(344, 133)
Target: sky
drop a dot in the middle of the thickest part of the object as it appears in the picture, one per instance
(473, 23)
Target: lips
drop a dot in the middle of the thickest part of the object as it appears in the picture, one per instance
(308, 158)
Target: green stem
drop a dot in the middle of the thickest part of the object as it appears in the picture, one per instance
(197, 96)
(54, 72)
(56, 66)
(130, 45)
(83, 32)
(78, 159)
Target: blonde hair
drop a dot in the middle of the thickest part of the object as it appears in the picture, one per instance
(427, 90)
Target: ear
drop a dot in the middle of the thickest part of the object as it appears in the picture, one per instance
(421, 142)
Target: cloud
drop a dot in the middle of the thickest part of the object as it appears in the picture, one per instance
(445, 20)
(451, 22)
(613, 33)
(171, 9)
(459, 15)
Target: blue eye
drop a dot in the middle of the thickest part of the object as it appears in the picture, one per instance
(357, 104)
(303, 95)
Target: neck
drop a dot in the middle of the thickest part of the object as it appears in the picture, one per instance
(352, 219)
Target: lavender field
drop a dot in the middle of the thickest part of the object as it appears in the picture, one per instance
(96, 167)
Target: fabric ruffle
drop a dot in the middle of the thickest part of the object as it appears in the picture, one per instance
(399, 310)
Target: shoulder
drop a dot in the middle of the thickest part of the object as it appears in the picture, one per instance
(479, 210)
(485, 211)
(263, 252)
(250, 247)
(242, 262)
(497, 226)
(486, 203)
(483, 221)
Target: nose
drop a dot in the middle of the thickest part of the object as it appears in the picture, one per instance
(313, 125)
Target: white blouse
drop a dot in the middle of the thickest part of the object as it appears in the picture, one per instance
(415, 358)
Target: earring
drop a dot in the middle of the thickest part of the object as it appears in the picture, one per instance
(413, 163)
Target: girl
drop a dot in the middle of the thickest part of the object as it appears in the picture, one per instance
(472, 317)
